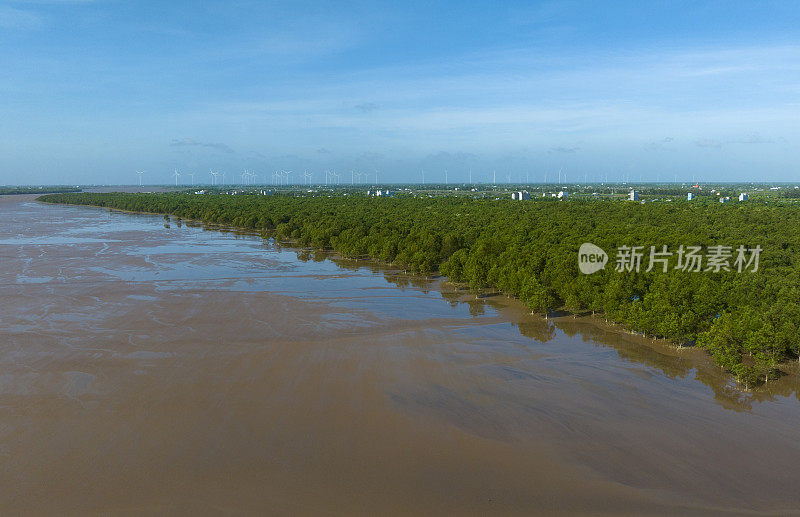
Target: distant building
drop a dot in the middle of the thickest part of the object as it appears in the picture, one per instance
(634, 195)
(520, 196)
(563, 194)
(724, 199)
(380, 193)
(689, 196)
(743, 197)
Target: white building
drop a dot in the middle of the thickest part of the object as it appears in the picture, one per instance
(689, 196)
(520, 196)
(380, 193)
(743, 197)
(724, 199)
(563, 194)
(634, 195)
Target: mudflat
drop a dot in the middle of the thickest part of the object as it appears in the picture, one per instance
(154, 366)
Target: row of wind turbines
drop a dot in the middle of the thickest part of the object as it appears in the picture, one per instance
(279, 177)
(284, 177)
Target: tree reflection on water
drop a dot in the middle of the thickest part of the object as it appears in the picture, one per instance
(657, 355)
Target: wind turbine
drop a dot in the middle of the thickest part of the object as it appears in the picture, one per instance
(223, 178)
(445, 176)
(332, 177)
(140, 177)
(376, 176)
(423, 176)
(192, 175)
(307, 176)
(213, 177)
(177, 175)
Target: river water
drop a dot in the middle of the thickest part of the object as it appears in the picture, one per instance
(153, 366)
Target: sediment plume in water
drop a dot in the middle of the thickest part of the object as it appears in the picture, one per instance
(150, 369)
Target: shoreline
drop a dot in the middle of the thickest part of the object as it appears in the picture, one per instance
(787, 369)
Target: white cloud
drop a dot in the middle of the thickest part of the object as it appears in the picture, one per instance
(726, 91)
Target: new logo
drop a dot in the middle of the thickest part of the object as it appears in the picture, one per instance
(591, 258)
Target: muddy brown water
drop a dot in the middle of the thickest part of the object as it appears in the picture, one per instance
(182, 370)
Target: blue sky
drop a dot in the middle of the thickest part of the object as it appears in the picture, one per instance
(92, 90)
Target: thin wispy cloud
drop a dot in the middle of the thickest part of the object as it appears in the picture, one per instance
(566, 150)
(748, 139)
(709, 143)
(188, 142)
(753, 138)
(366, 107)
